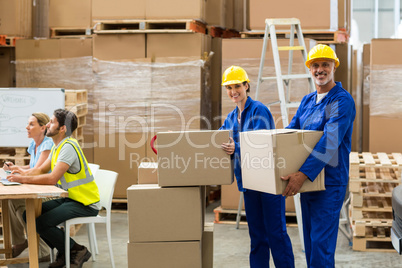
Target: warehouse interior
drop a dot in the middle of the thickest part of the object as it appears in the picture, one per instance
(140, 73)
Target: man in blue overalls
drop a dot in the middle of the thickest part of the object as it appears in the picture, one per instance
(330, 109)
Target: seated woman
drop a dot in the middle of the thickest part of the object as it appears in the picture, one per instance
(39, 149)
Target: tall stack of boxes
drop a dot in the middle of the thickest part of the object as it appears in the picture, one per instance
(166, 220)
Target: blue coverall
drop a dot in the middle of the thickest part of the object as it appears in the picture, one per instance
(334, 115)
(265, 212)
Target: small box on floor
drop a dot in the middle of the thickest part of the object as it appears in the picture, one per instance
(148, 173)
(267, 155)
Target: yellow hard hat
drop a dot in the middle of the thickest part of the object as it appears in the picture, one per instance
(321, 52)
(234, 75)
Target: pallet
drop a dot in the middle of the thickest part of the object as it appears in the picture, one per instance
(58, 32)
(381, 228)
(73, 97)
(8, 40)
(370, 160)
(79, 109)
(228, 216)
(216, 31)
(358, 200)
(19, 156)
(149, 26)
(369, 215)
(322, 36)
(373, 244)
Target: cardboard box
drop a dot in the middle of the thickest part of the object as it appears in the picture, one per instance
(175, 9)
(385, 96)
(7, 67)
(119, 46)
(118, 9)
(16, 18)
(193, 158)
(165, 254)
(366, 99)
(27, 49)
(148, 173)
(208, 245)
(70, 14)
(316, 14)
(267, 155)
(230, 196)
(158, 214)
(121, 152)
(189, 45)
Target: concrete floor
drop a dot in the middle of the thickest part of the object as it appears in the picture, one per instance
(231, 247)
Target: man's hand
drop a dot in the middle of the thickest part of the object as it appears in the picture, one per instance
(15, 177)
(229, 147)
(296, 181)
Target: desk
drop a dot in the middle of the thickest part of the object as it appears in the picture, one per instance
(33, 195)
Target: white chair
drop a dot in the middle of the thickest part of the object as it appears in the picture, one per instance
(106, 180)
(94, 168)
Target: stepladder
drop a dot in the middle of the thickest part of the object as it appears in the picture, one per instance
(283, 79)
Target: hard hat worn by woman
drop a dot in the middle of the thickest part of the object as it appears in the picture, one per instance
(321, 52)
(234, 75)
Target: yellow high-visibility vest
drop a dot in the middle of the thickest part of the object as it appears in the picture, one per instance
(81, 186)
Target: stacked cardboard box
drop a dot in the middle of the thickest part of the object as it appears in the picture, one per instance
(165, 226)
(316, 15)
(16, 18)
(166, 221)
(385, 96)
(7, 67)
(158, 86)
(58, 63)
(372, 179)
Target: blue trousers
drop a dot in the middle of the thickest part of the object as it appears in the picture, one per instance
(267, 228)
(320, 211)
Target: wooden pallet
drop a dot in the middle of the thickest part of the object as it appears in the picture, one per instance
(73, 97)
(322, 36)
(58, 32)
(8, 40)
(372, 228)
(370, 214)
(374, 244)
(79, 109)
(216, 31)
(370, 160)
(149, 26)
(358, 200)
(228, 216)
(19, 156)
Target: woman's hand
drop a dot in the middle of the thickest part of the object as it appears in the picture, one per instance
(7, 165)
(229, 147)
(18, 169)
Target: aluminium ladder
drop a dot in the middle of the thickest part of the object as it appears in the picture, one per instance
(285, 80)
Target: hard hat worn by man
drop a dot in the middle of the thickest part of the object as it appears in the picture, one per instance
(330, 109)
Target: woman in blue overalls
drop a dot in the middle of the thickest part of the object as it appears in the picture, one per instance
(265, 212)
